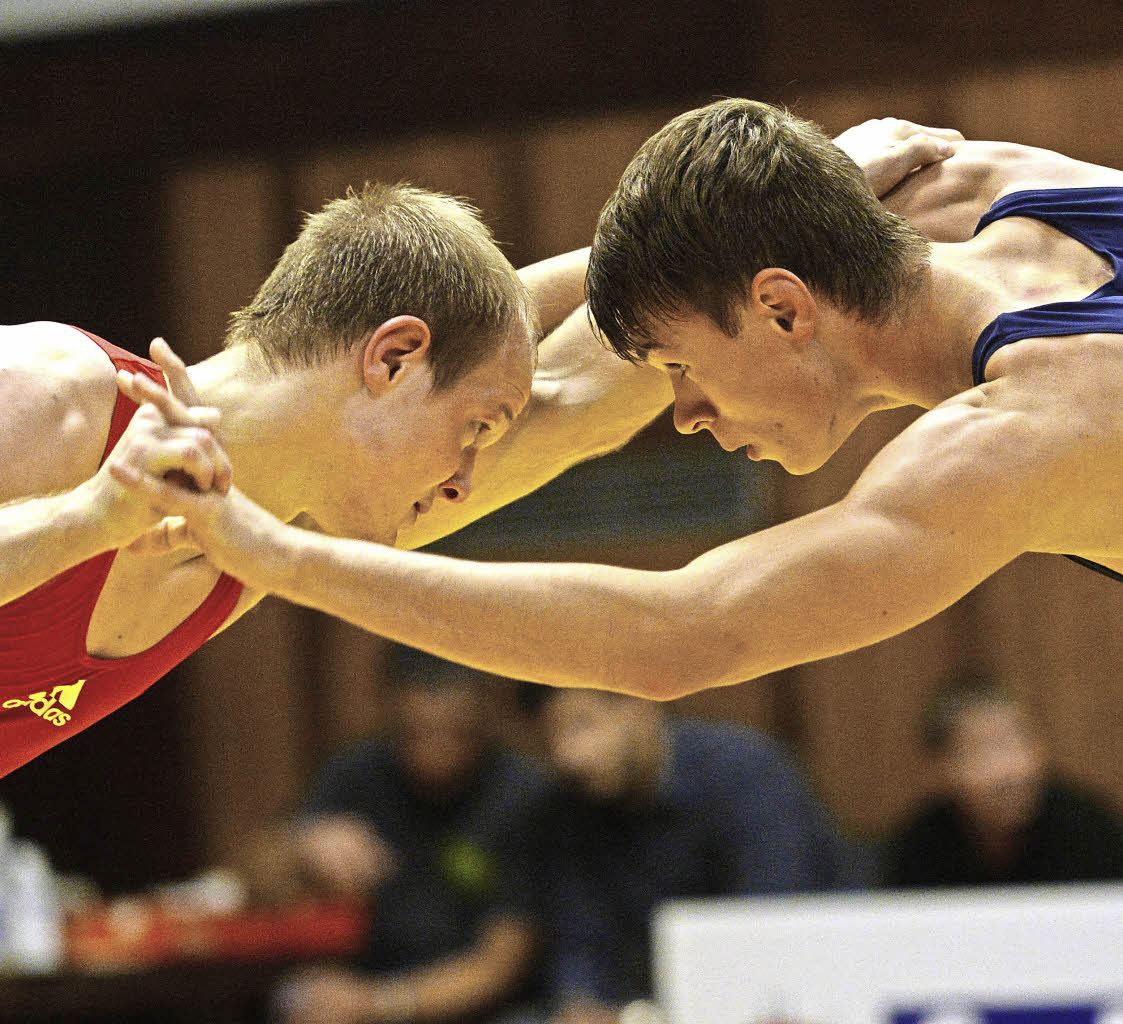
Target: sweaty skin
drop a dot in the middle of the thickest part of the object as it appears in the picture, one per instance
(1029, 460)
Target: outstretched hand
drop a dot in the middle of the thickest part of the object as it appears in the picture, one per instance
(889, 149)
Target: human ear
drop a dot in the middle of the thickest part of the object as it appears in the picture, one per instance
(393, 349)
(782, 298)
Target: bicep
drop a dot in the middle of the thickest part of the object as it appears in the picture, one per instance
(556, 286)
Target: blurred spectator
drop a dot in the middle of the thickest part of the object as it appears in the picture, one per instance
(1000, 815)
(422, 824)
(648, 808)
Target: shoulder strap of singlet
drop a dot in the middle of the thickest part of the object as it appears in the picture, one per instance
(216, 609)
(1093, 216)
(124, 407)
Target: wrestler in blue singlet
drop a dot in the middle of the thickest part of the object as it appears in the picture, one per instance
(1094, 217)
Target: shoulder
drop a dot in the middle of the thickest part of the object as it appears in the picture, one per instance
(934, 468)
(945, 200)
(58, 391)
(999, 449)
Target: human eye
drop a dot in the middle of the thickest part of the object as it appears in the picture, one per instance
(481, 433)
(675, 369)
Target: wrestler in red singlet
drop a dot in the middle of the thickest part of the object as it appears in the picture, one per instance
(50, 687)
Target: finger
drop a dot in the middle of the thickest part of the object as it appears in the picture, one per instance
(144, 391)
(902, 129)
(947, 134)
(175, 371)
(187, 458)
(162, 496)
(223, 472)
(900, 160)
(920, 150)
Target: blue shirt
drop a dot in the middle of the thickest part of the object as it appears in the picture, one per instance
(731, 815)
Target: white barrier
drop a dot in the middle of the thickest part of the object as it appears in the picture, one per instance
(1026, 955)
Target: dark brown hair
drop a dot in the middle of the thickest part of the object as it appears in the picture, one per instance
(725, 191)
(389, 250)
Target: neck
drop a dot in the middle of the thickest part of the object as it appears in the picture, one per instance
(268, 423)
(922, 356)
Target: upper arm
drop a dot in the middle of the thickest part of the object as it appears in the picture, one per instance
(585, 401)
(57, 392)
(934, 514)
(556, 286)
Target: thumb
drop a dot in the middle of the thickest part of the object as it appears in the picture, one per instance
(170, 534)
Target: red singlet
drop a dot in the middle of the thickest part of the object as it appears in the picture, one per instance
(50, 687)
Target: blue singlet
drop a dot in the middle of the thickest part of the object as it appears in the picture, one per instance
(1094, 217)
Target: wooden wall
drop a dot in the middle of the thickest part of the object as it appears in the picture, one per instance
(255, 709)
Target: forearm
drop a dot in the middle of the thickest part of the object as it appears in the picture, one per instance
(557, 286)
(44, 536)
(561, 624)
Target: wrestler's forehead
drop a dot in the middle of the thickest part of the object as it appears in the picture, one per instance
(689, 333)
(504, 378)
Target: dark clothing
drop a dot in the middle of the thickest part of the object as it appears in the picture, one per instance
(456, 857)
(1094, 217)
(731, 816)
(1073, 838)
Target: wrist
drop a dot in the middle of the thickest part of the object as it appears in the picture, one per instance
(87, 517)
(283, 559)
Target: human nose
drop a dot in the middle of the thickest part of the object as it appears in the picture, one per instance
(692, 410)
(458, 486)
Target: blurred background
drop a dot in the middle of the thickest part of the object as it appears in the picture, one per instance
(156, 157)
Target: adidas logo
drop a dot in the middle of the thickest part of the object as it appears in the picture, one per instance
(47, 706)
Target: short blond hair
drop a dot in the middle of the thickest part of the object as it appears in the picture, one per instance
(386, 251)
